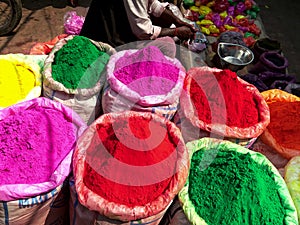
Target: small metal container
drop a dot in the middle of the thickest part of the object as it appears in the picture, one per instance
(234, 56)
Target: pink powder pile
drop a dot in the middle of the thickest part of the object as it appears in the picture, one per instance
(147, 72)
(33, 143)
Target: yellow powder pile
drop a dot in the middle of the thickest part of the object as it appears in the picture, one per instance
(16, 81)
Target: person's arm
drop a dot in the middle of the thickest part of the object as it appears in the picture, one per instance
(139, 19)
(141, 25)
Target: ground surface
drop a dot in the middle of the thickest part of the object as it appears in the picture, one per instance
(43, 20)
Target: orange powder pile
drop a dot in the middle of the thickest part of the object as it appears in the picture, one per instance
(285, 123)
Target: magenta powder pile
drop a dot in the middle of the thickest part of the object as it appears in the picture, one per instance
(147, 72)
(33, 143)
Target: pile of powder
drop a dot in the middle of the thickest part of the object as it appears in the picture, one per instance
(284, 124)
(16, 82)
(147, 72)
(33, 143)
(241, 108)
(234, 189)
(133, 130)
(79, 63)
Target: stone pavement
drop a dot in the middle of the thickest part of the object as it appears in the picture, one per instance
(281, 22)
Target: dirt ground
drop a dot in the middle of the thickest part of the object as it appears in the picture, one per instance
(42, 20)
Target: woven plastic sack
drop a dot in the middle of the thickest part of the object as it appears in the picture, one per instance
(81, 215)
(44, 48)
(32, 64)
(187, 109)
(12, 192)
(292, 179)
(113, 102)
(117, 211)
(276, 95)
(192, 133)
(215, 144)
(148, 100)
(34, 210)
(85, 102)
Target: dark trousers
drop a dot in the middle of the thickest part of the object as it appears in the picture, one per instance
(107, 21)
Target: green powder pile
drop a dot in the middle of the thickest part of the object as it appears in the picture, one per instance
(79, 63)
(234, 189)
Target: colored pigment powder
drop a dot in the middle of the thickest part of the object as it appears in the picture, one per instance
(147, 72)
(16, 83)
(137, 127)
(284, 123)
(79, 63)
(241, 108)
(33, 143)
(234, 189)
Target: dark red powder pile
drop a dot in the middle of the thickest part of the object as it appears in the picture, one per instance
(133, 130)
(208, 91)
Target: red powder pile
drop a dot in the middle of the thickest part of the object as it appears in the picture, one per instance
(241, 108)
(147, 72)
(33, 143)
(133, 130)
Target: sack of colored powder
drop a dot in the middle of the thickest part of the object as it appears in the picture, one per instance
(146, 76)
(291, 177)
(282, 134)
(112, 102)
(36, 210)
(191, 133)
(229, 184)
(44, 48)
(20, 78)
(38, 138)
(74, 74)
(273, 156)
(129, 166)
(219, 102)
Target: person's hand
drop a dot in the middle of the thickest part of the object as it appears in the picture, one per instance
(185, 33)
(180, 23)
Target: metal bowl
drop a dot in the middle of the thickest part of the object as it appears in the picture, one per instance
(234, 56)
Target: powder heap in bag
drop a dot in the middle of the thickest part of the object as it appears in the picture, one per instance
(16, 82)
(235, 190)
(147, 72)
(79, 63)
(33, 143)
(139, 154)
(284, 124)
(241, 108)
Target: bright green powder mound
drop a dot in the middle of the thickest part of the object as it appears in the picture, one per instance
(234, 189)
(79, 63)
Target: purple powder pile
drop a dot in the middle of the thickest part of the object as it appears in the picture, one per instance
(147, 72)
(33, 143)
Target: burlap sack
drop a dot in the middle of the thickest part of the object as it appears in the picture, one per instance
(85, 102)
